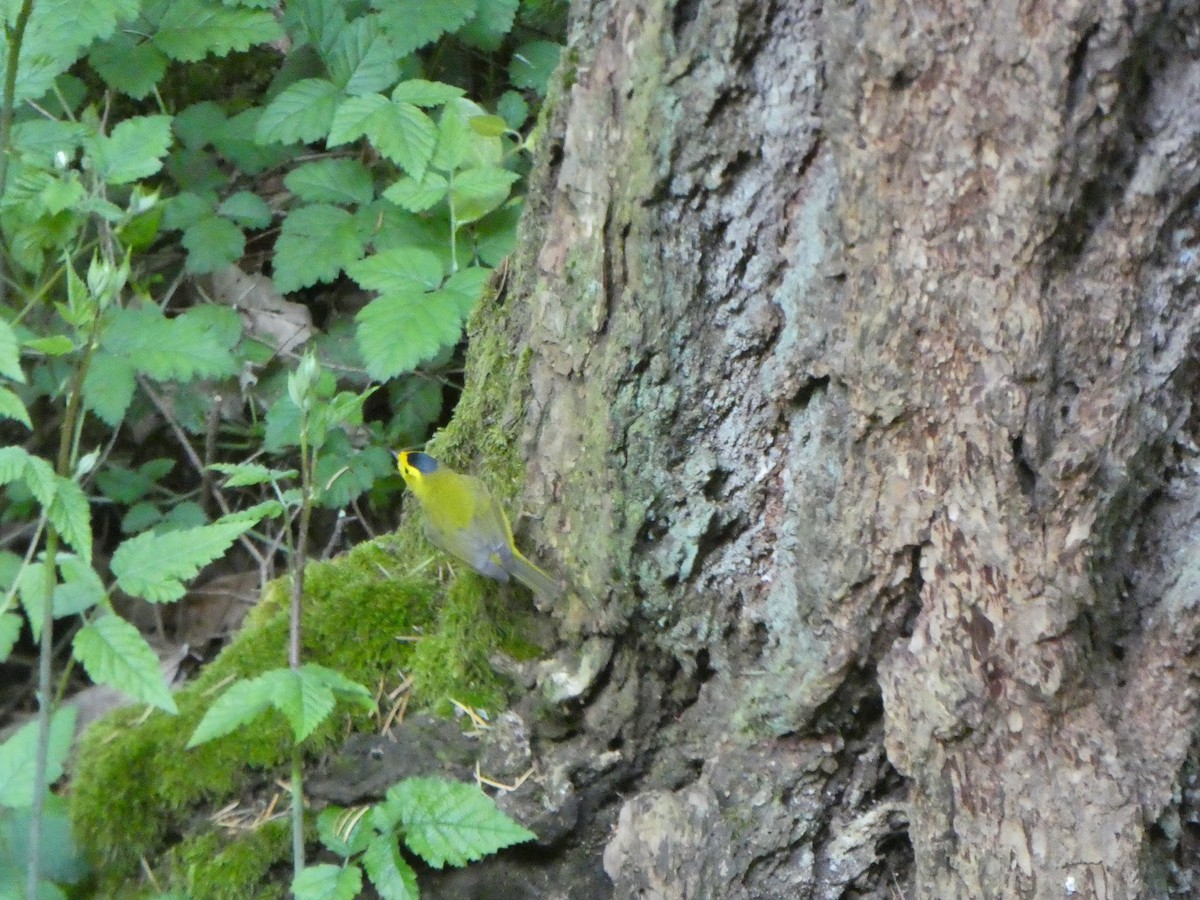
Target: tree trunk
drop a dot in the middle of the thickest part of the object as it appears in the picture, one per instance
(860, 409)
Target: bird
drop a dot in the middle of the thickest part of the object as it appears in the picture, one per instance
(464, 519)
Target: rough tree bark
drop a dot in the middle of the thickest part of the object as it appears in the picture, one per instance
(861, 409)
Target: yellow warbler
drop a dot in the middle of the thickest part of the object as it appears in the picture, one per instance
(462, 518)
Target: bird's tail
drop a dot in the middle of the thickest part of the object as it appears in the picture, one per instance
(546, 588)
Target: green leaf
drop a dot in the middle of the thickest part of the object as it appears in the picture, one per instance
(41, 140)
(108, 387)
(127, 486)
(268, 509)
(134, 150)
(35, 583)
(212, 244)
(513, 109)
(318, 22)
(420, 92)
(246, 474)
(401, 268)
(302, 112)
(18, 758)
(417, 402)
(141, 517)
(332, 180)
(466, 286)
(81, 587)
(342, 476)
(128, 65)
(11, 407)
(488, 126)
(10, 630)
(496, 235)
(304, 700)
(393, 878)
(113, 652)
(70, 514)
(10, 354)
(315, 244)
(191, 29)
(354, 116)
(332, 824)
(414, 23)
(416, 196)
(154, 566)
(199, 123)
(17, 464)
(246, 208)
(532, 65)
(451, 822)
(327, 882)
(343, 687)
(362, 60)
(237, 143)
(198, 343)
(476, 192)
(400, 131)
(244, 702)
(453, 139)
(398, 331)
(492, 22)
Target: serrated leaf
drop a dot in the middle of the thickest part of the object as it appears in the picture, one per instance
(134, 150)
(244, 702)
(353, 116)
(11, 407)
(128, 65)
(452, 822)
(246, 474)
(305, 701)
(406, 136)
(191, 29)
(80, 588)
(453, 139)
(417, 196)
(327, 882)
(393, 878)
(343, 687)
(212, 244)
(108, 387)
(492, 22)
(396, 332)
(476, 192)
(18, 758)
(195, 344)
(362, 59)
(114, 653)
(532, 65)
(70, 514)
(197, 125)
(420, 92)
(246, 208)
(344, 477)
(343, 833)
(236, 142)
(35, 583)
(333, 181)
(302, 112)
(414, 23)
(315, 243)
(513, 108)
(398, 269)
(41, 140)
(466, 286)
(10, 630)
(268, 509)
(154, 566)
(10, 354)
(17, 464)
(55, 345)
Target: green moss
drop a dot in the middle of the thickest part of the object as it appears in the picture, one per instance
(213, 866)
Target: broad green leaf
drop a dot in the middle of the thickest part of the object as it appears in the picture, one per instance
(186, 209)
(492, 22)
(362, 60)
(246, 474)
(315, 244)
(212, 244)
(182, 516)
(41, 140)
(11, 407)
(282, 425)
(513, 109)
(36, 582)
(451, 822)
(246, 208)
(466, 286)
(244, 702)
(197, 125)
(154, 566)
(399, 269)
(134, 150)
(304, 700)
(417, 196)
(18, 758)
(70, 514)
(129, 65)
(140, 517)
(17, 464)
(476, 192)
(62, 861)
(302, 112)
(454, 139)
(414, 23)
(400, 131)
(317, 22)
(127, 486)
(398, 331)
(342, 476)
(354, 116)
(197, 343)
(488, 126)
(10, 630)
(80, 588)
(237, 143)
(533, 64)
(10, 354)
(393, 878)
(327, 882)
(420, 92)
(268, 509)
(114, 653)
(496, 235)
(333, 181)
(108, 387)
(343, 687)
(332, 825)
(191, 29)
